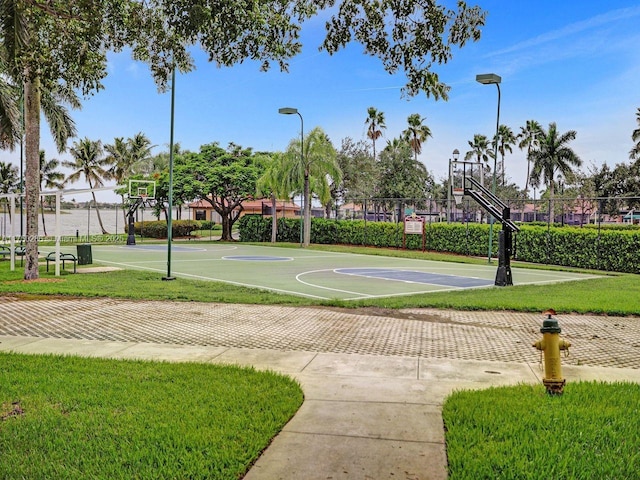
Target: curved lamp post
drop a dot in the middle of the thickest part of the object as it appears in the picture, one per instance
(294, 111)
(488, 79)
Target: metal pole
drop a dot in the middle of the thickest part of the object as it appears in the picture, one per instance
(303, 203)
(493, 184)
(169, 224)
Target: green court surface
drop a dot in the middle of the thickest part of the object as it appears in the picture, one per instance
(314, 274)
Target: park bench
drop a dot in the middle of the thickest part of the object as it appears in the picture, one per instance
(6, 252)
(64, 257)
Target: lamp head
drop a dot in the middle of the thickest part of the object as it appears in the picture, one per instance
(456, 154)
(488, 78)
(287, 111)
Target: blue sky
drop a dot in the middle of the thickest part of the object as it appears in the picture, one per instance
(576, 63)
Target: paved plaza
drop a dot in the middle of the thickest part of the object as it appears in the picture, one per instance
(374, 380)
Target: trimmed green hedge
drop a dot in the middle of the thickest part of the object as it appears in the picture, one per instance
(600, 249)
(158, 229)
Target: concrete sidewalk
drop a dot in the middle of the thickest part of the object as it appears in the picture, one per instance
(367, 415)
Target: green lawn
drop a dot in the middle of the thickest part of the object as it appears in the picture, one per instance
(72, 417)
(590, 432)
(76, 417)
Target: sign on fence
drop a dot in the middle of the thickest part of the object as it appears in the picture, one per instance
(413, 225)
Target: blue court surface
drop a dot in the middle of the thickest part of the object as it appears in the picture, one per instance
(313, 273)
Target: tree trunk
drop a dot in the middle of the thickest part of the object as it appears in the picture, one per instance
(95, 205)
(44, 226)
(307, 210)
(32, 173)
(274, 219)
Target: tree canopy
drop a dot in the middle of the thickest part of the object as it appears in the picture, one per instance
(63, 44)
(222, 178)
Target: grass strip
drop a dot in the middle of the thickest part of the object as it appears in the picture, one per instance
(610, 294)
(72, 417)
(592, 431)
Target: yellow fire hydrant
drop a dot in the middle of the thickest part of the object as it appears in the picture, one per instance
(551, 344)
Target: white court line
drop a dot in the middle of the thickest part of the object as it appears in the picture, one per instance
(200, 277)
(362, 295)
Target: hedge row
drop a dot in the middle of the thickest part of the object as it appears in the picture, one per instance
(612, 250)
(158, 229)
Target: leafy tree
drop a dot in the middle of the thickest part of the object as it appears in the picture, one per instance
(312, 173)
(416, 134)
(62, 42)
(88, 163)
(222, 178)
(50, 178)
(528, 138)
(506, 139)
(274, 182)
(553, 155)
(359, 170)
(375, 122)
(401, 176)
(634, 154)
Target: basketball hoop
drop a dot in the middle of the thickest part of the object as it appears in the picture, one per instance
(458, 193)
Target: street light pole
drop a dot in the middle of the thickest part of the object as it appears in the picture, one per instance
(488, 79)
(169, 223)
(294, 111)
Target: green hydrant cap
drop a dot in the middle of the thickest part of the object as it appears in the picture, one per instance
(550, 325)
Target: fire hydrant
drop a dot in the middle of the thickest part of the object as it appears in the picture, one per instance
(551, 344)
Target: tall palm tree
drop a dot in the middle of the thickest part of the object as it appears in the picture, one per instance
(529, 138)
(634, 154)
(128, 157)
(376, 124)
(49, 178)
(8, 180)
(310, 174)
(553, 155)
(88, 163)
(416, 133)
(480, 149)
(275, 183)
(506, 139)
(21, 87)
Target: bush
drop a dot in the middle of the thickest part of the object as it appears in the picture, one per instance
(607, 249)
(158, 229)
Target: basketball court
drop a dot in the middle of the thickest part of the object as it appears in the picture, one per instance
(312, 273)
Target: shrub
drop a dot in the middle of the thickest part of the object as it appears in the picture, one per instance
(158, 229)
(600, 249)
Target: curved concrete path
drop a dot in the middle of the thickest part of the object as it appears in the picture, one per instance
(374, 381)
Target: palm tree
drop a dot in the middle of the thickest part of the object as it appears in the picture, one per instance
(529, 138)
(375, 120)
(88, 164)
(506, 139)
(128, 157)
(310, 173)
(416, 134)
(49, 178)
(634, 154)
(553, 155)
(274, 182)
(21, 86)
(8, 180)
(479, 149)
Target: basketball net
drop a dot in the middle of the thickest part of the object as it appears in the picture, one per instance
(458, 194)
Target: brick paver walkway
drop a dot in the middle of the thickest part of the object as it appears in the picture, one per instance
(494, 336)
